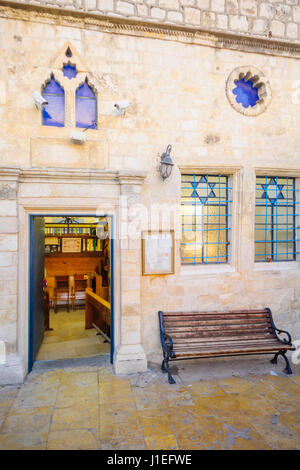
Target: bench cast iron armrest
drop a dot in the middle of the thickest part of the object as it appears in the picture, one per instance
(284, 340)
(167, 343)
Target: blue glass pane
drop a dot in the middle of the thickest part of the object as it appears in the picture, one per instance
(86, 113)
(69, 71)
(85, 91)
(86, 107)
(53, 87)
(54, 112)
(246, 93)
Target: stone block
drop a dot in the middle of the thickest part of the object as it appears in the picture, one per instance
(175, 17)
(8, 209)
(170, 4)
(142, 11)
(125, 8)
(249, 7)
(260, 26)
(8, 190)
(192, 16)
(208, 19)
(283, 12)
(232, 7)
(267, 10)
(292, 30)
(203, 4)
(296, 14)
(9, 242)
(218, 5)
(106, 5)
(222, 22)
(277, 28)
(8, 225)
(158, 13)
(7, 259)
(238, 23)
(90, 4)
(8, 273)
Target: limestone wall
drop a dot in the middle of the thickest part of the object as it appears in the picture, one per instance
(275, 18)
(177, 95)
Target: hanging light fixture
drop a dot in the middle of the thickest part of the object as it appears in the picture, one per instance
(166, 163)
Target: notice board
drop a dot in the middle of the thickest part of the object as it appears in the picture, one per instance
(158, 252)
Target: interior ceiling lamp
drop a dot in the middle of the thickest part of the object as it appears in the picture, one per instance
(166, 163)
(69, 220)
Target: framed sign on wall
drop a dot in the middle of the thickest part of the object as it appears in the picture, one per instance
(158, 252)
(71, 245)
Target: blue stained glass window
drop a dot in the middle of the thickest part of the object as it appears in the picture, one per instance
(53, 113)
(275, 219)
(69, 70)
(86, 107)
(205, 219)
(246, 93)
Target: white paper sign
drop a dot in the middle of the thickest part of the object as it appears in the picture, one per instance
(158, 253)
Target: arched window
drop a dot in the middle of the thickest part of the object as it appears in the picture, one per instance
(54, 112)
(86, 107)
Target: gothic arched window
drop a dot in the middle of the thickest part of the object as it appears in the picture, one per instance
(86, 107)
(54, 112)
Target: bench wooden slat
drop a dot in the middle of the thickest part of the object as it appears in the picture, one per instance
(233, 328)
(189, 318)
(227, 352)
(224, 341)
(224, 337)
(217, 321)
(229, 312)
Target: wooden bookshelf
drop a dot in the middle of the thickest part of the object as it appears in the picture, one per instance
(85, 240)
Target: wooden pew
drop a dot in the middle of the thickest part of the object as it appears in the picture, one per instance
(97, 312)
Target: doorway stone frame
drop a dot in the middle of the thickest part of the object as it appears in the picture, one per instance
(41, 191)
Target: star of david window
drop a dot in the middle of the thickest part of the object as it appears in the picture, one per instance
(205, 219)
(275, 219)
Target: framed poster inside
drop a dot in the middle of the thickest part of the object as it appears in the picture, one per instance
(51, 241)
(158, 252)
(71, 245)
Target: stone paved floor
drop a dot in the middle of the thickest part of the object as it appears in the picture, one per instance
(90, 408)
(69, 338)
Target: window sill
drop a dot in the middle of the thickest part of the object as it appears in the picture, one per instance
(277, 266)
(205, 270)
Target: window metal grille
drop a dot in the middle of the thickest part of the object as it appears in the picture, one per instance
(275, 219)
(205, 216)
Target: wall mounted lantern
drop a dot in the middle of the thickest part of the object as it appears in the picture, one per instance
(166, 163)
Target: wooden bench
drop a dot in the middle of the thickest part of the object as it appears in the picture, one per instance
(97, 313)
(188, 335)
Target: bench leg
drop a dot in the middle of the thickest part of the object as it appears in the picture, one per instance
(163, 367)
(274, 360)
(167, 367)
(288, 369)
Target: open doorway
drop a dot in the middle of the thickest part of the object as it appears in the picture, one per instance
(70, 287)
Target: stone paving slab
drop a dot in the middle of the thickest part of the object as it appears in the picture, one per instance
(91, 408)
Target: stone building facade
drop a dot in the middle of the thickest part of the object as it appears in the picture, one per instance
(173, 60)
